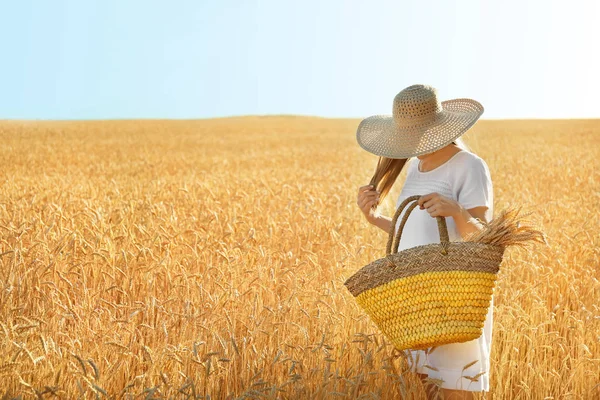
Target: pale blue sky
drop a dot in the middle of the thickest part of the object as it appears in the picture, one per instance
(84, 59)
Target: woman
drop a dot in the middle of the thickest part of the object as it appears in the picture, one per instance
(423, 135)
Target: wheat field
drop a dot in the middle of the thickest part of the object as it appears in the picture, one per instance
(206, 259)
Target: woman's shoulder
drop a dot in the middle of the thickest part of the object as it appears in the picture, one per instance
(472, 182)
(469, 160)
(467, 167)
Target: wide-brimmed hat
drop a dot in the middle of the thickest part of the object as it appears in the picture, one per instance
(420, 124)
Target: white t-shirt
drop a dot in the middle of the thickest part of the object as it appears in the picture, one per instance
(465, 178)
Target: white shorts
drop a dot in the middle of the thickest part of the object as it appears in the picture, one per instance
(449, 360)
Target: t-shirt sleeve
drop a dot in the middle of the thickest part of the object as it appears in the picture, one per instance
(475, 188)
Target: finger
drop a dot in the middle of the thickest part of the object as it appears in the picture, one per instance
(432, 210)
(365, 188)
(425, 198)
(371, 204)
(369, 193)
(361, 204)
(365, 199)
(432, 198)
(429, 203)
(368, 206)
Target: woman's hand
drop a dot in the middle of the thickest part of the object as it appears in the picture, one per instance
(467, 221)
(367, 198)
(439, 206)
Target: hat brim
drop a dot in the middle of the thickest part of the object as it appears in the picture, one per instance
(381, 135)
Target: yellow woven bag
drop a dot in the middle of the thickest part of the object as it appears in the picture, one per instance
(428, 295)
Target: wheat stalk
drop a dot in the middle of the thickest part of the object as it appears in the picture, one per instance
(510, 228)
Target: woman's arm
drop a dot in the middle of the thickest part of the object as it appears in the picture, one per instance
(383, 222)
(440, 206)
(367, 198)
(466, 221)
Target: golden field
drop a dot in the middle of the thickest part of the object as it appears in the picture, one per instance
(206, 259)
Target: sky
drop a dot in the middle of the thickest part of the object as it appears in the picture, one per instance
(122, 59)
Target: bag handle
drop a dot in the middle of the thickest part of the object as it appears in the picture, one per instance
(394, 242)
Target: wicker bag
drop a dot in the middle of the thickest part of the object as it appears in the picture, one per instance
(428, 295)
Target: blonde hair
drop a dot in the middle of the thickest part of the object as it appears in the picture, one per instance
(388, 169)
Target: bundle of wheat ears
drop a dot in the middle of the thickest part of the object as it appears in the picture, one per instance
(510, 228)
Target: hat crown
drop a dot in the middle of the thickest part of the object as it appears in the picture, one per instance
(415, 103)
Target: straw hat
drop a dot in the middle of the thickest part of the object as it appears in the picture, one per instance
(420, 124)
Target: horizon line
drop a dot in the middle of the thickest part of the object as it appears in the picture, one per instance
(241, 116)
